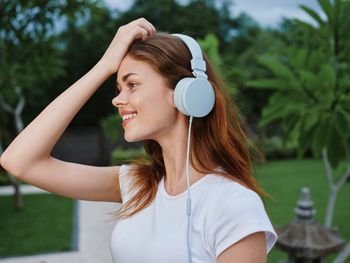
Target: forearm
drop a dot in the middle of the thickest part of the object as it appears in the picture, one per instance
(37, 140)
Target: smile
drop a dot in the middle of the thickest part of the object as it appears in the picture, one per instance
(128, 118)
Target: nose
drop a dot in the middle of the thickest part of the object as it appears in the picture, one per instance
(119, 100)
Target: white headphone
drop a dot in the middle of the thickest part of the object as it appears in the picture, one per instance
(194, 96)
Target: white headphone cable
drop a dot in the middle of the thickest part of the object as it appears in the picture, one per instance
(188, 191)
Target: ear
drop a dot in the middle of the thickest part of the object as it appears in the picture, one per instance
(174, 104)
(170, 97)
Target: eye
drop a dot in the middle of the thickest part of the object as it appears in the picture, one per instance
(131, 85)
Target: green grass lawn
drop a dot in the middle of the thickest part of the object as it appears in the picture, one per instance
(284, 179)
(44, 225)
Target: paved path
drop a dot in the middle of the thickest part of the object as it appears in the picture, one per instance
(25, 189)
(94, 230)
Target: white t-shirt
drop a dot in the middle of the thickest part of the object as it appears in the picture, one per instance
(223, 212)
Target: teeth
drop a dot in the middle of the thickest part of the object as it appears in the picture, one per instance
(129, 116)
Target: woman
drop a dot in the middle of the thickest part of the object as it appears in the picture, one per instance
(229, 222)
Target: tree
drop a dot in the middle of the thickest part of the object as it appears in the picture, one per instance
(311, 96)
(29, 57)
(196, 18)
(83, 43)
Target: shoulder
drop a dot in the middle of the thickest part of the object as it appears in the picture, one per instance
(237, 211)
(230, 200)
(231, 189)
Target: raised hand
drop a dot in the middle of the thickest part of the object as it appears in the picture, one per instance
(139, 28)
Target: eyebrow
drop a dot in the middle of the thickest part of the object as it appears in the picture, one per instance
(125, 77)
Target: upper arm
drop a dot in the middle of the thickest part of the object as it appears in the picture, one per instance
(75, 180)
(250, 249)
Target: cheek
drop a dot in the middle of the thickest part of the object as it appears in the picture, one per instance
(157, 111)
(155, 102)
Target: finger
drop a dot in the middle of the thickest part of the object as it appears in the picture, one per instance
(153, 28)
(134, 23)
(150, 25)
(144, 23)
(139, 32)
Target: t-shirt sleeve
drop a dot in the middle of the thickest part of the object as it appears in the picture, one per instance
(239, 216)
(124, 182)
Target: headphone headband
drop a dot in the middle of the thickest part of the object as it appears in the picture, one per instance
(197, 62)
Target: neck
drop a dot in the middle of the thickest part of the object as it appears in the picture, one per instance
(174, 147)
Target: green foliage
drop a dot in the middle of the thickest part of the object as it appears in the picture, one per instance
(120, 156)
(28, 46)
(197, 18)
(311, 86)
(4, 180)
(275, 148)
(210, 45)
(239, 65)
(30, 57)
(112, 126)
(84, 41)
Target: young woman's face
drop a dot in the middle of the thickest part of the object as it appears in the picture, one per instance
(144, 91)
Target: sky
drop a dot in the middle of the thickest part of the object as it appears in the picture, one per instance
(268, 13)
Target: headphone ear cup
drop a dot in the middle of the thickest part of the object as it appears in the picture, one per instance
(194, 97)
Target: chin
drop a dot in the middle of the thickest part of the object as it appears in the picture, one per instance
(131, 138)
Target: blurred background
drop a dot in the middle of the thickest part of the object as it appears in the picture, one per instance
(285, 63)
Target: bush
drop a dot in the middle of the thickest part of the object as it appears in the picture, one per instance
(275, 148)
(111, 126)
(4, 180)
(120, 156)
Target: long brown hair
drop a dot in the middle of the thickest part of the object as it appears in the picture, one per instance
(217, 140)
